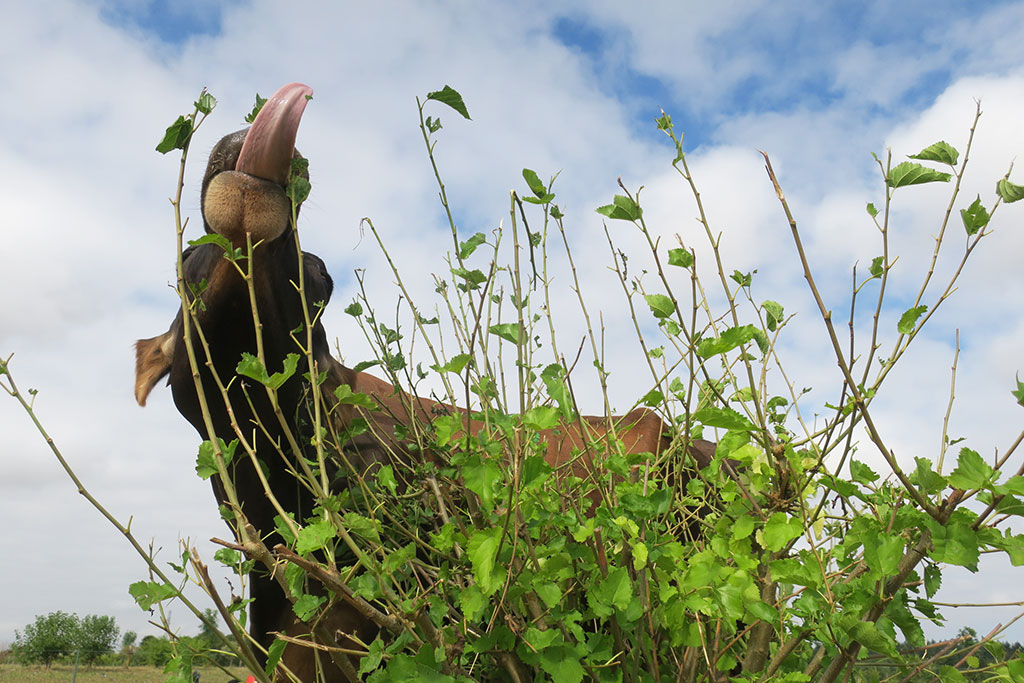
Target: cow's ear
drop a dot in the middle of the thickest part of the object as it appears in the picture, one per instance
(152, 361)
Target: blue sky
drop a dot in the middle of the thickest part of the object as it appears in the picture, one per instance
(572, 88)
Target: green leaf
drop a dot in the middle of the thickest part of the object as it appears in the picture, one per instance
(1009, 192)
(536, 186)
(957, 544)
(386, 478)
(742, 279)
(722, 418)
(472, 602)
(250, 366)
(653, 398)
(773, 313)
(861, 473)
(613, 593)
(546, 199)
(481, 477)
(926, 478)
(972, 472)
(274, 653)
(206, 103)
(298, 188)
(932, 580)
(176, 136)
(364, 527)
(680, 257)
(763, 611)
(661, 305)
(206, 464)
(472, 278)
(148, 593)
(507, 331)
(621, 209)
(365, 365)
(1018, 393)
(882, 553)
(456, 364)
(780, 529)
(876, 266)
(541, 417)
(640, 553)
(314, 536)
(730, 339)
(562, 664)
(549, 593)
(354, 309)
(469, 246)
(539, 640)
(307, 605)
(975, 217)
(282, 528)
(213, 238)
(345, 395)
(872, 211)
(743, 526)
(942, 152)
(909, 173)
(553, 377)
(482, 548)
(445, 427)
(399, 558)
(762, 340)
(448, 95)
(870, 635)
(260, 101)
(908, 321)
(950, 674)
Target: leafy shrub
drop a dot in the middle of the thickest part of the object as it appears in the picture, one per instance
(786, 558)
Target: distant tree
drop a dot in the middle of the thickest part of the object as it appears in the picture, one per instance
(209, 633)
(154, 651)
(96, 636)
(128, 646)
(47, 639)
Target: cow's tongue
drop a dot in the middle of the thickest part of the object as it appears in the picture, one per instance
(267, 151)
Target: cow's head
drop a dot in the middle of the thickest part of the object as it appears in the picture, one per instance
(243, 197)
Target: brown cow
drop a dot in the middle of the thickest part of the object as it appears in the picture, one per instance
(243, 199)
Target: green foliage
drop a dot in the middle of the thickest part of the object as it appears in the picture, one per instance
(514, 539)
(909, 173)
(60, 635)
(47, 638)
(96, 636)
(448, 95)
(154, 651)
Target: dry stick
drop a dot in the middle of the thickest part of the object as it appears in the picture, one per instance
(202, 571)
(332, 580)
(944, 444)
(858, 397)
(314, 374)
(884, 229)
(949, 208)
(944, 648)
(703, 219)
(186, 319)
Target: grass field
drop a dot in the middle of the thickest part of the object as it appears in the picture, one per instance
(101, 674)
